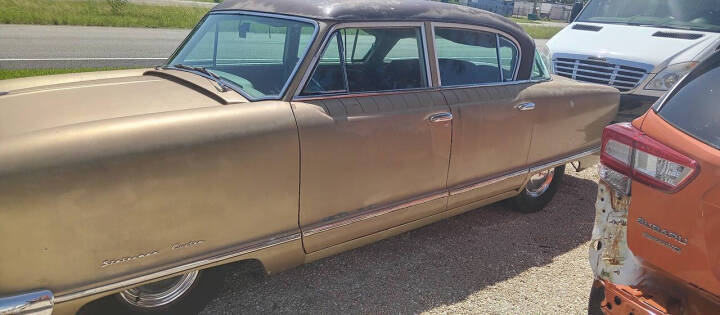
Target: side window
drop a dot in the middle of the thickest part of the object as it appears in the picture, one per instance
(466, 57)
(508, 54)
(539, 70)
(329, 76)
(370, 60)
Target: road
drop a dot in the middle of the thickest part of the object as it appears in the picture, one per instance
(40, 46)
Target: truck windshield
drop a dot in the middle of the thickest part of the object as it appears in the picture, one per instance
(255, 55)
(700, 15)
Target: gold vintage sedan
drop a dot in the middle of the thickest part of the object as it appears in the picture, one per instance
(281, 131)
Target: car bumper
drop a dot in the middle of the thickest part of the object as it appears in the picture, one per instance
(633, 106)
(630, 285)
(36, 303)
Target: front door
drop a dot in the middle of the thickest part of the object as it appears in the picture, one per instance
(374, 139)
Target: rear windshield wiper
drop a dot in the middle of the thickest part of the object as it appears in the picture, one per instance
(215, 77)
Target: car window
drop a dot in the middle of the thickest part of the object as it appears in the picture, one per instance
(508, 58)
(257, 54)
(392, 60)
(466, 57)
(539, 69)
(694, 108)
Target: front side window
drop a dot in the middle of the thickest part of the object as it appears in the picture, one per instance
(370, 60)
(508, 53)
(257, 54)
(467, 57)
(694, 108)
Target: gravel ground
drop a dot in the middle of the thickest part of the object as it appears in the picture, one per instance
(487, 261)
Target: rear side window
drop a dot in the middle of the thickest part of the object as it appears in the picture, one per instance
(695, 109)
(370, 60)
(469, 57)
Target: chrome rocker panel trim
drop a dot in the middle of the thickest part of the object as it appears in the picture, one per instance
(36, 303)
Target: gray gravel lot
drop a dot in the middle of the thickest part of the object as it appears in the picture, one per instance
(487, 261)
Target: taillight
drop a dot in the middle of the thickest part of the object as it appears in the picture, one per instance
(629, 154)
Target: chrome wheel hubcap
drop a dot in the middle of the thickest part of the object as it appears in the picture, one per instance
(539, 183)
(159, 293)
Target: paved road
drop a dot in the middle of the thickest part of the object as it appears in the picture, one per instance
(39, 46)
(184, 3)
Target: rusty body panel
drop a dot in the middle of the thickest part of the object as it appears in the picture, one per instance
(126, 178)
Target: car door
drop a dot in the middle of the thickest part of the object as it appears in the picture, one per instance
(492, 123)
(375, 139)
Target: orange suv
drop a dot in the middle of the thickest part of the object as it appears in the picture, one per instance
(656, 241)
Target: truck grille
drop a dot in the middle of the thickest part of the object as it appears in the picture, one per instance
(621, 76)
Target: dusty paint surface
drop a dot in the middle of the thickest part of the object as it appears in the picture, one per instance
(610, 256)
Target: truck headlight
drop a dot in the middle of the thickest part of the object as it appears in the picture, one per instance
(666, 79)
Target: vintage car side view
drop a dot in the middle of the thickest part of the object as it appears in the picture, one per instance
(655, 243)
(281, 132)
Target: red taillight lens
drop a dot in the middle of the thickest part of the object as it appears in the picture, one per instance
(628, 153)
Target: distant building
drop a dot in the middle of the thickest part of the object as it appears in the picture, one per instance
(502, 7)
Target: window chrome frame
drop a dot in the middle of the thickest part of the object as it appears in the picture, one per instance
(231, 84)
(497, 33)
(379, 24)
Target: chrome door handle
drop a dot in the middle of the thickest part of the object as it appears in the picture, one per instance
(525, 106)
(440, 117)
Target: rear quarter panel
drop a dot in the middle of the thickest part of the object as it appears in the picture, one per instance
(570, 117)
(73, 197)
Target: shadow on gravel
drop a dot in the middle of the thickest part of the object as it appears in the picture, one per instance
(436, 265)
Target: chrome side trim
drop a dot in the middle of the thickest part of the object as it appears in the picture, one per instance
(36, 303)
(484, 183)
(370, 213)
(245, 249)
(563, 161)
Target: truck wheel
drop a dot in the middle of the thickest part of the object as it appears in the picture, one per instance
(184, 294)
(539, 190)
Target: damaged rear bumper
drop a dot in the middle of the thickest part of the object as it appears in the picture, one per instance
(630, 285)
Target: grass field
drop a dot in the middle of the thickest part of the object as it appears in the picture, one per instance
(96, 13)
(541, 32)
(21, 73)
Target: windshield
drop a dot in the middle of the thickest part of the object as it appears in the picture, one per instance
(701, 15)
(255, 54)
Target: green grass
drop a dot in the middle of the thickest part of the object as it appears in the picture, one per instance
(21, 73)
(96, 13)
(541, 32)
(523, 20)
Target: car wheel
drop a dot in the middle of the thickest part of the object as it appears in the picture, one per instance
(597, 296)
(185, 294)
(540, 189)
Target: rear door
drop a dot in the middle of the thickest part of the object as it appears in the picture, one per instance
(491, 134)
(679, 232)
(375, 139)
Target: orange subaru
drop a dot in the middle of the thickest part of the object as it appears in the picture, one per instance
(656, 242)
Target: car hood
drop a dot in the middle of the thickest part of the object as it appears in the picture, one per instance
(35, 104)
(632, 43)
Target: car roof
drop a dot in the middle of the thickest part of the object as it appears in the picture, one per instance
(337, 11)
(372, 10)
